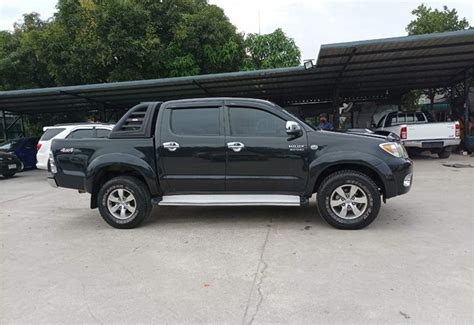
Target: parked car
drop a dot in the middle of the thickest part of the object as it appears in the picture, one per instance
(230, 151)
(9, 164)
(67, 131)
(24, 149)
(418, 134)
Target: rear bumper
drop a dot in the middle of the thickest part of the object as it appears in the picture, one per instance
(4, 166)
(419, 143)
(52, 181)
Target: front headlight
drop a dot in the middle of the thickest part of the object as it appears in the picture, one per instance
(394, 148)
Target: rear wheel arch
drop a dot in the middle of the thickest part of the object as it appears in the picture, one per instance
(106, 173)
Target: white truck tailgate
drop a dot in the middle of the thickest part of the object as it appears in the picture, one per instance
(431, 131)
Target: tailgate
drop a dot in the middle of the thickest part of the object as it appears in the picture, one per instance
(72, 158)
(431, 131)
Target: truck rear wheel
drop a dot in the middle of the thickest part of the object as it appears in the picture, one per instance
(124, 202)
(348, 200)
(444, 153)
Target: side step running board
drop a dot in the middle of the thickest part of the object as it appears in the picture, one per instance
(230, 199)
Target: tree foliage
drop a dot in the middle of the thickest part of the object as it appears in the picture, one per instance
(272, 50)
(429, 21)
(90, 41)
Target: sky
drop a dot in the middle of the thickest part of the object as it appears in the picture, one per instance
(310, 23)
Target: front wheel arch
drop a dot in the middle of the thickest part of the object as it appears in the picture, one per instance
(368, 171)
(333, 193)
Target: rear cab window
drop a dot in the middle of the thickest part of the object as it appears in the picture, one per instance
(51, 133)
(195, 121)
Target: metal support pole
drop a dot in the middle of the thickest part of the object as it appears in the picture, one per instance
(467, 104)
(335, 108)
(23, 129)
(4, 119)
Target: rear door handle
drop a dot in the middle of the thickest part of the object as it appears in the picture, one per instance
(236, 146)
(171, 146)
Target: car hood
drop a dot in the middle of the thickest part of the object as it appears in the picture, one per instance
(6, 155)
(355, 136)
(384, 135)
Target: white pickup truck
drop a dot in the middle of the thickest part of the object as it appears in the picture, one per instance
(418, 134)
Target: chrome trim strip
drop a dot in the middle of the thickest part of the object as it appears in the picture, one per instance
(231, 200)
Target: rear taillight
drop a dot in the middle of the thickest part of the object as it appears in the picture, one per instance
(458, 129)
(38, 146)
(403, 132)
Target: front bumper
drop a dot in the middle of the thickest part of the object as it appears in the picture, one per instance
(401, 178)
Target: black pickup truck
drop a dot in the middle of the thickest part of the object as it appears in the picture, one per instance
(230, 152)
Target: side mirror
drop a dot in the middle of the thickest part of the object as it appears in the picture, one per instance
(293, 128)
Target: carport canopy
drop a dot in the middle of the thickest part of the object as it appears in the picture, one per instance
(363, 70)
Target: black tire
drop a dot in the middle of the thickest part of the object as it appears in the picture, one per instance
(142, 202)
(444, 153)
(348, 178)
(9, 174)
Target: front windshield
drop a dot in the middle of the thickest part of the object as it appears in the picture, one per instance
(9, 145)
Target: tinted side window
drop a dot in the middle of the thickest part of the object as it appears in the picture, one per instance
(379, 125)
(401, 119)
(420, 117)
(31, 142)
(102, 133)
(51, 133)
(410, 118)
(391, 120)
(80, 134)
(195, 121)
(255, 122)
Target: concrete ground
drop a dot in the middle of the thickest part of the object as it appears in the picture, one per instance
(61, 263)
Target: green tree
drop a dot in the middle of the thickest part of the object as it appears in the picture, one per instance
(429, 21)
(21, 62)
(274, 50)
(435, 21)
(102, 41)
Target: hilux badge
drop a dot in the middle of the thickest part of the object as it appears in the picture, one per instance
(296, 147)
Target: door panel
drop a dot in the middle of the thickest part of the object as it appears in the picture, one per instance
(192, 151)
(268, 161)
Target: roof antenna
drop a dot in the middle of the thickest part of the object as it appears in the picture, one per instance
(259, 23)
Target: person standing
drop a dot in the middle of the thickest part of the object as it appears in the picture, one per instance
(324, 124)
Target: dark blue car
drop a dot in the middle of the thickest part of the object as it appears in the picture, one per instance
(23, 148)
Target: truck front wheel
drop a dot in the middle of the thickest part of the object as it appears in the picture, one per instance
(124, 202)
(348, 200)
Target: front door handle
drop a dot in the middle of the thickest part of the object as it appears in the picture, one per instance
(236, 146)
(171, 146)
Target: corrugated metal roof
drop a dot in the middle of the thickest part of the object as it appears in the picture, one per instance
(421, 61)
(356, 69)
